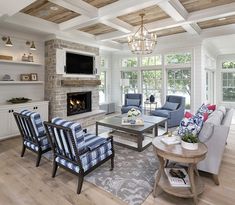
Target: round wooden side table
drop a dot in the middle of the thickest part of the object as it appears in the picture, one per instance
(178, 154)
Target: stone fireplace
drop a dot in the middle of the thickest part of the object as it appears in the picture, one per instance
(79, 102)
(59, 87)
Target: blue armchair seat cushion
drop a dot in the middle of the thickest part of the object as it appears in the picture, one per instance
(43, 143)
(126, 109)
(161, 113)
(90, 158)
(36, 122)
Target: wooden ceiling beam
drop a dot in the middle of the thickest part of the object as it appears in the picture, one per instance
(11, 7)
(177, 12)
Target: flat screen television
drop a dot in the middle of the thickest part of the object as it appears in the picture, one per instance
(79, 64)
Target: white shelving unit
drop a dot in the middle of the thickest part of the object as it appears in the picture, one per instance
(20, 62)
(20, 82)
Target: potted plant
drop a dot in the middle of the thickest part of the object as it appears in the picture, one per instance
(189, 141)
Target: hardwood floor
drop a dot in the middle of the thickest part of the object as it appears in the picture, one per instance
(21, 183)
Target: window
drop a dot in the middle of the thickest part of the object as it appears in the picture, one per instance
(129, 83)
(228, 65)
(152, 84)
(179, 83)
(228, 79)
(102, 87)
(153, 60)
(129, 62)
(178, 58)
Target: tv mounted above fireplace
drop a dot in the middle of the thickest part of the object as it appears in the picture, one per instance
(79, 64)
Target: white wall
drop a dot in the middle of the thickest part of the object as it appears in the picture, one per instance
(34, 92)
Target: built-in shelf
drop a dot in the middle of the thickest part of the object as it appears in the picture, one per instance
(20, 82)
(20, 62)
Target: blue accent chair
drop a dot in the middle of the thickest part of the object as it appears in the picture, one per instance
(173, 110)
(132, 100)
(33, 133)
(77, 151)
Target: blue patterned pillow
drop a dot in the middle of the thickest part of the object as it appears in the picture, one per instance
(191, 125)
(203, 109)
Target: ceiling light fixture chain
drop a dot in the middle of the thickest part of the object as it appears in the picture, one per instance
(142, 42)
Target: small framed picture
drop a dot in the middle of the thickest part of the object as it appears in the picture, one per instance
(25, 77)
(34, 76)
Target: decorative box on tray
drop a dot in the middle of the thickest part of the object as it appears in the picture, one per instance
(132, 121)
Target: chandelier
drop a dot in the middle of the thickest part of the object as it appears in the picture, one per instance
(142, 42)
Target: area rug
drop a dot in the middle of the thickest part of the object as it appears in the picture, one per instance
(132, 178)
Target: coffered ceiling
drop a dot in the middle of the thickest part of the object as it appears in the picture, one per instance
(196, 5)
(106, 21)
(49, 11)
(100, 3)
(152, 13)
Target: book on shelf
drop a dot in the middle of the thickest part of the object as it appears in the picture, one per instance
(175, 181)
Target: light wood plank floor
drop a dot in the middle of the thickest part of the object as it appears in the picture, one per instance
(21, 183)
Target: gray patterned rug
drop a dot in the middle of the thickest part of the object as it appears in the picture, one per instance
(132, 178)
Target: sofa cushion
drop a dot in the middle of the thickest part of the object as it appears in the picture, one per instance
(222, 109)
(170, 106)
(215, 118)
(132, 102)
(206, 131)
(161, 113)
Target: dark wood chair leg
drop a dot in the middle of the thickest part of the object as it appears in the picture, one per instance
(23, 150)
(55, 166)
(38, 159)
(216, 179)
(80, 182)
(112, 164)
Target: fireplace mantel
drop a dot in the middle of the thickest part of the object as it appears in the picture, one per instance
(76, 83)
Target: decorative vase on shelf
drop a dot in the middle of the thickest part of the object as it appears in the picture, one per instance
(152, 98)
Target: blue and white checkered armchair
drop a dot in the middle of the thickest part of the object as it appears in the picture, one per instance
(77, 151)
(33, 133)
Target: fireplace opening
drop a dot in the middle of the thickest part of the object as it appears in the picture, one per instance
(78, 102)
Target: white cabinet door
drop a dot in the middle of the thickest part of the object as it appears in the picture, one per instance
(42, 109)
(5, 123)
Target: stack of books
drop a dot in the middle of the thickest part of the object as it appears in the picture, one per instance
(175, 181)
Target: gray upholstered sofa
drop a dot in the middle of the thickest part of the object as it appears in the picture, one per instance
(173, 114)
(214, 134)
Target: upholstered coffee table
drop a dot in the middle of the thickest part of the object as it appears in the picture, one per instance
(178, 154)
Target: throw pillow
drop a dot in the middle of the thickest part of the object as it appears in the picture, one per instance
(188, 114)
(170, 106)
(203, 109)
(191, 125)
(211, 107)
(132, 102)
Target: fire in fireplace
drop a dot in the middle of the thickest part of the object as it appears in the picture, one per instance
(78, 102)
